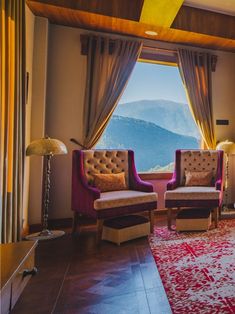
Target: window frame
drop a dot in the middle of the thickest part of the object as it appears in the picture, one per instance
(164, 57)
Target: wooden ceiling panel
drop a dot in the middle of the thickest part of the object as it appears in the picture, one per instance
(183, 34)
(205, 22)
(123, 9)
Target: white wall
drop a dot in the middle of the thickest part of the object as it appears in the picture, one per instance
(224, 95)
(224, 108)
(65, 95)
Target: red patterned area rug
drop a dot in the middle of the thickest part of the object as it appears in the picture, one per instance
(197, 268)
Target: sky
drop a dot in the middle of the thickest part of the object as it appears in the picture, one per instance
(152, 81)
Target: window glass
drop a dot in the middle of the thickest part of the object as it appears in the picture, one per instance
(152, 118)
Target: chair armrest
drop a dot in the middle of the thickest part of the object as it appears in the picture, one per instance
(175, 180)
(140, 185)
(83, 195)
(172, 184)
(91, 190)
(219, 179)
(134, 180)
(219, 184)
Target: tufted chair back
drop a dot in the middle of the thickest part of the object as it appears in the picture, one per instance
(197, 160)
(106, 162)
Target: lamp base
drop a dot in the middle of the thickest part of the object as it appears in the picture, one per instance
(45, 235)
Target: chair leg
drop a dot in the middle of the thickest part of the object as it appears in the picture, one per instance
(151, 218)
(100, 223)
(220, 209)
(216, 216)
(169, 211)
(75, 222)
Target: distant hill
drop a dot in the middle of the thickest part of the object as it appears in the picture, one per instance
(153, 145)
(168, 168)
(170, 115)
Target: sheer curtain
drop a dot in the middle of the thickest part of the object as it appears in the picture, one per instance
(12, 113)
(109, 66)
(196, 72)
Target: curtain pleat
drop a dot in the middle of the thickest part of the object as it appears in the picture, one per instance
(196, 72)
(109, 66)
(12, 117)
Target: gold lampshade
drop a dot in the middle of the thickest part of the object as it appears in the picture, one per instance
(227, 146)
(46, 146)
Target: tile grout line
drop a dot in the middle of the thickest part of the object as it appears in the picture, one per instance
(143, 281)
(161, 285)
(60, 290)
(146, 290)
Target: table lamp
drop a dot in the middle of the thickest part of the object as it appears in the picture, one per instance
(46, 147)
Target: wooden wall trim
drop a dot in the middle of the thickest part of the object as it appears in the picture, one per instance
(155, 175)
(159, 57)
(52, 224)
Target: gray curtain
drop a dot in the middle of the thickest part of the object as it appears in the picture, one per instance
(109, 66)
(196, 72)
(12, 114)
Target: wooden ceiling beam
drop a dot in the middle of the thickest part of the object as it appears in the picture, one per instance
(160, 12)
(123, 9)
(98, 22)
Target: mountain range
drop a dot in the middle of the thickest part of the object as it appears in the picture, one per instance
(153, 145)
(169, 115)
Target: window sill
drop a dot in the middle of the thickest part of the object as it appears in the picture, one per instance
(155, 175)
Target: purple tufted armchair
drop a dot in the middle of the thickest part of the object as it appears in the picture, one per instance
(178, 195)
(90, 201)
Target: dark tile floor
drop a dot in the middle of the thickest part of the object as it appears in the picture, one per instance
(77, 276)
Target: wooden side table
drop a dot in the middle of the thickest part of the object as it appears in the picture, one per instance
(17, 267)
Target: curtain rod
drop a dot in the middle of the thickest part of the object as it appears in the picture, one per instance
(84, 39)
(174, 52)
(167, 50)
(159, 49)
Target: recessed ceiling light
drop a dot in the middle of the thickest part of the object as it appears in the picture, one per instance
(151, 33)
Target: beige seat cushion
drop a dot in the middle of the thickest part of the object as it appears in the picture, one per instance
(193, 193)
(123, 198)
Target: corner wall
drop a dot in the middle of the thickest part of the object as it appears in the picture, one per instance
(38, 113)
(30, 21)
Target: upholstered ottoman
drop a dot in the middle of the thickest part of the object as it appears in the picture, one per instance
(125, 228)
(193, 219)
